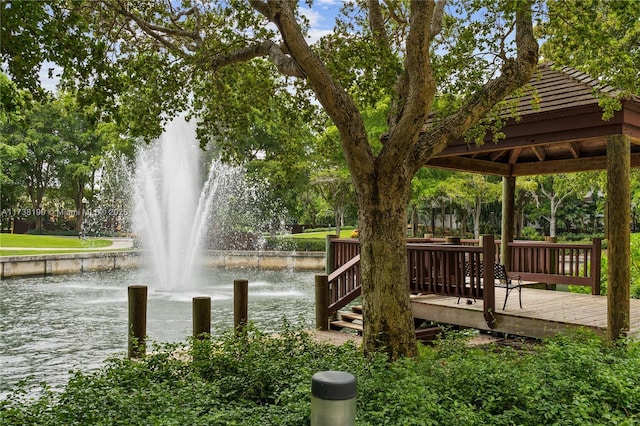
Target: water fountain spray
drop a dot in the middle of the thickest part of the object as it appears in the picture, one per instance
(173, 205)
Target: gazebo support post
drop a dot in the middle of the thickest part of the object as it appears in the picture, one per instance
(619, 228)
(507, 225)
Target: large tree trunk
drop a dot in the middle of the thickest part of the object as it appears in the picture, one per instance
(383, 253)
(36, 196)
(383, 180)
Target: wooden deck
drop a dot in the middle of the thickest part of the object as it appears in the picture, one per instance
(543, 313)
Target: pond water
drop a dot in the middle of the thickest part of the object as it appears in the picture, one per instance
(51, 325)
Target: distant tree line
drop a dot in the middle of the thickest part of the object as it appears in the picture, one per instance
(57, 156)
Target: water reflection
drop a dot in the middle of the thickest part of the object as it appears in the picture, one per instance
(50, 325)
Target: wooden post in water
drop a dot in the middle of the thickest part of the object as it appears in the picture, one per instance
(619, 249)
(240, 303)
(201, 317)
(137, 320)
(322, 302)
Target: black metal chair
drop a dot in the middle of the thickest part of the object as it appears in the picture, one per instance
(502, 280)
(505, 281)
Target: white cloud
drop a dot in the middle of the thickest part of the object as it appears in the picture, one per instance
(321, 18)
(329, 3)
(315, 34)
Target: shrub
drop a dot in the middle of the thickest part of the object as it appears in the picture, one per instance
(294, 244)
(634, 270)
(329, 229)
(61, 233)
(580, 237)
(252, 378)
(529, 233)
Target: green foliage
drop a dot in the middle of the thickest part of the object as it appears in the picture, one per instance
(588, 237)
(51, 148)
(529, 233)
(60, 233)
(251, 378)
(635, 266)
(294, 244)
(578, 32)
(635, 270)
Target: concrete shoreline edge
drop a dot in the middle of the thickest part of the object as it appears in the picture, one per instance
(68, 263)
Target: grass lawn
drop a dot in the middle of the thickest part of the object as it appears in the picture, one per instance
(9, 242)
(29, 252)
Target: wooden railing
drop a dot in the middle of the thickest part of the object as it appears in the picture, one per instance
(433, 269)
(454, 270)
(340, 251)
(543, 262)
(558, 263)
(344, 285)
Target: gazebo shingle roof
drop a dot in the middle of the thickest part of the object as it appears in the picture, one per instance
(561, 131)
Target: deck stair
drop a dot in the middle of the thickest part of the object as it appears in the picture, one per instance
(353, 321)
(349, 320)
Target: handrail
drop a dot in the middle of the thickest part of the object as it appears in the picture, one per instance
(341, 270)
(545, 262)
(558, 263)
(344, 285)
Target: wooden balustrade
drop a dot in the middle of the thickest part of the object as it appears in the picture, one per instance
(551, 263)
(433, 269)
(558, 263)
(452, 270)
(344, 284)
(344, 249)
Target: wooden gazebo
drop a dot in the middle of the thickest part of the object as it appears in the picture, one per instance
(560, 129)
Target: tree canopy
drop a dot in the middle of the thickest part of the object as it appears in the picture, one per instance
(598, 37)
(232, 63)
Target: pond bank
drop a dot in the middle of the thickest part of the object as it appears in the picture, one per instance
(53, 264)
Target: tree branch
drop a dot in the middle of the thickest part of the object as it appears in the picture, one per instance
(514, 73)
(416, 87)
(335, 100)
(391, 7)
(376, 22)
(283, 62)
(157, 32)
(436, 19)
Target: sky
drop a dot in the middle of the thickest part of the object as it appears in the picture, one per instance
(321, 17)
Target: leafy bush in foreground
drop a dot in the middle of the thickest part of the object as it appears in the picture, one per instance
(255, 379)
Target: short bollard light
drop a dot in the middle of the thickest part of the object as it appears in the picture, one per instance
(333, 399)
